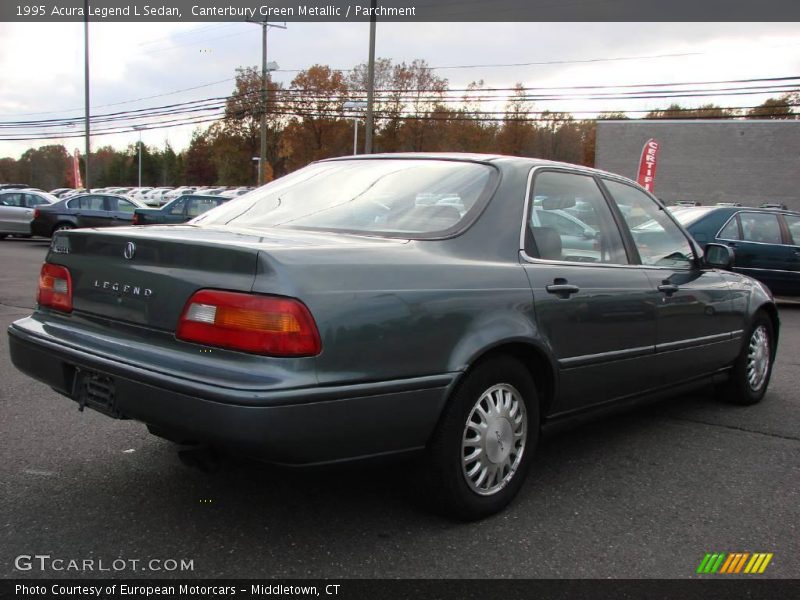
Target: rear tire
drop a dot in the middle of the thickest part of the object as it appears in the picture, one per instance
(752, 370)
(478, 457)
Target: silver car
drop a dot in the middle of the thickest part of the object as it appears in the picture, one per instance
(16, 210)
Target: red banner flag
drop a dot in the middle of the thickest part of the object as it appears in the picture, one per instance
(76, 170)
(647, 165)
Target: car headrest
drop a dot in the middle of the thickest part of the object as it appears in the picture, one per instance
(548, 243)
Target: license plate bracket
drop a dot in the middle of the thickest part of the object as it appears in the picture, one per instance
(96, 391)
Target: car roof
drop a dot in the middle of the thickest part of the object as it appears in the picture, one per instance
(485, 158)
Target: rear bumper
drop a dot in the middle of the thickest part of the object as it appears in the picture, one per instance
(297, 426)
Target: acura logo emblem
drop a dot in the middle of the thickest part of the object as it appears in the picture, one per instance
(130, 250)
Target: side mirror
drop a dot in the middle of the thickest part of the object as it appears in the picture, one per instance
(718, 256)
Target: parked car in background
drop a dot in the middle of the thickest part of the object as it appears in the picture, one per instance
(765, 241)
(156, 197)
(234, 193)
(179, 210)
(17, 207)
(87, 210)
(336, 314)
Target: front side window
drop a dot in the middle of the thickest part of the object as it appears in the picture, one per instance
(571, 221)
(794, 228)
(658, 239)
(197, 206)
(392, 197)
(11, 199)
(760, 227)
(123, 205)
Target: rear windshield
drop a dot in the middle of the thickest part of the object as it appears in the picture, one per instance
(392, 197)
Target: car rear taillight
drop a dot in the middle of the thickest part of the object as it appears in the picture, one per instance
(136, 218)
(55, 288)
(36, 213)
(271, 325)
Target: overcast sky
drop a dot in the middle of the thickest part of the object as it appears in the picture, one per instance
(42, 64)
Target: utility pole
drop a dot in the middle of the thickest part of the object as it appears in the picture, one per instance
(265, 69)
(86, 88)
(370, 125)
(139, 129)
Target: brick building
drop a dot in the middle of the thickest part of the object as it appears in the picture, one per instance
(726, 160)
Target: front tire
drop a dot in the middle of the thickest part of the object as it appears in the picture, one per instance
(753, 368)
(480, 453)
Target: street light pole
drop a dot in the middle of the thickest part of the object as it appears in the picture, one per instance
(356, 106)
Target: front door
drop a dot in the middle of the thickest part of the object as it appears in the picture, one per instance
(698, 331)
(595, 309)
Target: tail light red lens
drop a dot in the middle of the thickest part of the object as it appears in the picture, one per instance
(36, 213)
(270, 325)
(55, 288)
(136, 218)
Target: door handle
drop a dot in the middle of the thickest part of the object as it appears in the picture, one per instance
(668, 288)
(561, 288)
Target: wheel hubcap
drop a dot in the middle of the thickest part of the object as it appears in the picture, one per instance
(494, 439)
(758, 357)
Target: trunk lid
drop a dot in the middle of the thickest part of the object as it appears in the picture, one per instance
(145, 275)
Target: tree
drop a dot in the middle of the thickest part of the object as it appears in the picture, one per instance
(417, 90)
(705, 111)
(243, 112)
(45, 167)
(8, 170)
(199, 167)
(776, 108)
(517, 133)
(317, 128)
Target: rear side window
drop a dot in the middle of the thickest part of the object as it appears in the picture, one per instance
(177, 207)
(794, 228)
(760, 227)
(731, 230)
(33, 200)
(658, 239)
(571, 221)
(88, 203)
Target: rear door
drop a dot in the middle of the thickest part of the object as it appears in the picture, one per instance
(697, 330)
(176, 213)
(92, 212)
(120, 210)
(595, 310)
(793, 232)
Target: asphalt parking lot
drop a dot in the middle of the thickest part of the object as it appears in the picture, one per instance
(645, 494)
